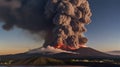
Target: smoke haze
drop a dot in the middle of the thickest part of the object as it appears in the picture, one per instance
(62, 21)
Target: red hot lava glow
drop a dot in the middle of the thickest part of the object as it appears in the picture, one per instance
(67, 47)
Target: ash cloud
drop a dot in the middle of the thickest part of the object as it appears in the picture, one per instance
(25, 14)
(69, 18)
(63, 21)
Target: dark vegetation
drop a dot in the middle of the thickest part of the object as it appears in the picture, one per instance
(38, 61)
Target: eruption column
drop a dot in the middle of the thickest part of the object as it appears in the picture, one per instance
(69, 18)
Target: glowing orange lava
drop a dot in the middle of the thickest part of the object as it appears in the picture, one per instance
(66, 47)
(59, 45)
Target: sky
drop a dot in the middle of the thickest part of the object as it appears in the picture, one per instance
(17, 41)
(103, 32)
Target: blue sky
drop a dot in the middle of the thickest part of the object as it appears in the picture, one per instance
(103, 32)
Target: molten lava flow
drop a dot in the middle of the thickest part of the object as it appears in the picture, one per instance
(67, 47)
(59, 45)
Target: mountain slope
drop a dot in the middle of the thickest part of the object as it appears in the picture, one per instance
(58, 53)
(90, 52)
(79, 53)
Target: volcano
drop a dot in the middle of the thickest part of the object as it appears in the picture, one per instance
(61, 57)
(60, 23)
(78, 53)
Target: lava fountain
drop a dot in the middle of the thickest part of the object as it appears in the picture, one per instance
(63, 21)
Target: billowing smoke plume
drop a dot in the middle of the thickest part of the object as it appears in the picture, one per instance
(63, 21)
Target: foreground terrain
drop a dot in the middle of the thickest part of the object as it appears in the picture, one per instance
(86, 57)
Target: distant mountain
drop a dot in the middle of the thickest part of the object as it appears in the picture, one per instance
(115, 52)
